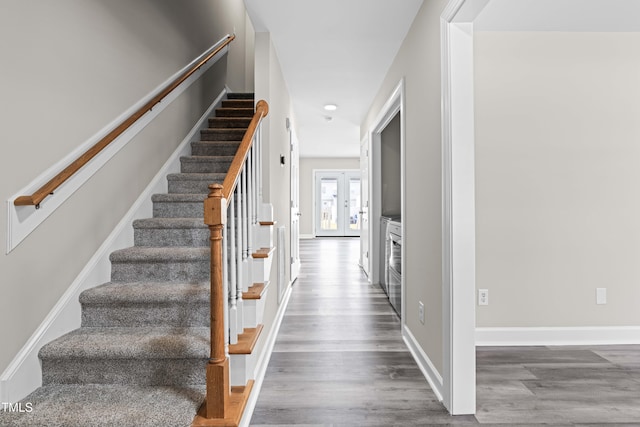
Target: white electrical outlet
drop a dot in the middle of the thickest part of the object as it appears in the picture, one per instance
(601, 295)
(483, 296)
(421, 312)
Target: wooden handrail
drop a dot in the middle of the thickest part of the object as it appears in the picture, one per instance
(217, 401)
(47, 189)
(231, 179)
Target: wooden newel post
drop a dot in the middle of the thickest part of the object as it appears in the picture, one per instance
(218, 388)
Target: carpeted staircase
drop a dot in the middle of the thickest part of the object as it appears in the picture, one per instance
(139, 358)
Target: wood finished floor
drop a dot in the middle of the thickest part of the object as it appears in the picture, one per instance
(339, 360)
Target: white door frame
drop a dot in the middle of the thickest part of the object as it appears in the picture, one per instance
(365, 229)
(394, 105)
(294, 211)
(458, 206)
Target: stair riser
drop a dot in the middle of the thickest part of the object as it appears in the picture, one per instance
(190, 187)
(222, 134)
(214, 148)
(220, 123)
(238, 103)
(156, 237)
(166, 271)
(178, 209)
(240, 95)
(145, 372)
(195, 165)
(184, 314)
(234, 112)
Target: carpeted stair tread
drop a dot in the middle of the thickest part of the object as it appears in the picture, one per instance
(212, 148)
(179, 197)
(130, 343)
(229, 122)
(151, 254)
(211, 177)
(205, 164)
(134, 304)
(99, 405)
(164, 223)
(146, 292)
(235, 112)
(228, 134)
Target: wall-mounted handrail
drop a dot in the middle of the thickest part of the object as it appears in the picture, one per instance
(47, 189)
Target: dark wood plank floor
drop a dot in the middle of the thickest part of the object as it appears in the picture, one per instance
(339, 360)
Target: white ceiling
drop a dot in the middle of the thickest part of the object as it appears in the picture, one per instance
(333, 51)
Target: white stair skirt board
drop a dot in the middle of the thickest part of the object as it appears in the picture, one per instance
(262, 269)
(424, 363)
(265, 236)
(263, 360)
(22, 220)
(604, 335)
(254, 310)
(266, 212)
(242, 368)
(24, 375)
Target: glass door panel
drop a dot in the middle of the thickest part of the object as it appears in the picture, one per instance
(337, 203)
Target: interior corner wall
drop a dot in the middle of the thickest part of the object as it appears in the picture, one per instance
(270, 86)
(307, 166)
(69, 68)
(557, 174)
(418, 61)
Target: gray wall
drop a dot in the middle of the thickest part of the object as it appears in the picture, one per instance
(418, 61)
(557, 155)
(69, 68)
(307, 166)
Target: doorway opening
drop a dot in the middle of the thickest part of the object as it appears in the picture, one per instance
(337, 203)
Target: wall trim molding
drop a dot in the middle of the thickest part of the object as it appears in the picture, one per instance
(531, 336)
(24, 374)
(265, 357)
(424, 363)
(307, 236)
(22, 220)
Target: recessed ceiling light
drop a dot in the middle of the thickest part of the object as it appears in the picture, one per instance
(331, 107)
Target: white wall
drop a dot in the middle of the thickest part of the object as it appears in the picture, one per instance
(557, 155)
(270, 86)
(69, 68)
(307, 166)
(418, 61)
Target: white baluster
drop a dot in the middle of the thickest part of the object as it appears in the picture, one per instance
(233, 290)
(225, 286)
(239, 265)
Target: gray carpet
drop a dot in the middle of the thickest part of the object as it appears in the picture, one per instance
(100, 405)
(140, 357)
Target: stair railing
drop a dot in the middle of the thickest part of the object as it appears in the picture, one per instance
(231, 212)
(47, 189)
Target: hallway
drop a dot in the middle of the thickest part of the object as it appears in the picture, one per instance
(339, 358)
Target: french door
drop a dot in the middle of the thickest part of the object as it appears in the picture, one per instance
(337, 207)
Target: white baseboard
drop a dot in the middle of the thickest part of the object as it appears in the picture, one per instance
(596, 335)
(24, 374)
(424, 363)
(263, 362)
(307, 236)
